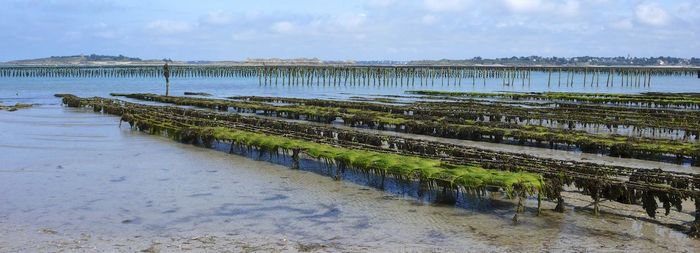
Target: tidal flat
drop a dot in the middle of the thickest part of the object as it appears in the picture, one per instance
(74, 180)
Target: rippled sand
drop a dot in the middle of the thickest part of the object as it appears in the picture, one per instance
(72, 180)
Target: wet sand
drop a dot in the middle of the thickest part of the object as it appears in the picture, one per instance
(72, 180)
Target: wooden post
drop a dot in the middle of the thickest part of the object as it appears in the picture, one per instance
(413, 77)
(442, 77)
(313, 74)
(560, 203)
(695, 227)
(596, 202)
(422, 73)
(622, 78)
(559, 83)
(166, 74)
(519, 208)
(611, 77)
(459, 77)
(295, 158)
(573, 75)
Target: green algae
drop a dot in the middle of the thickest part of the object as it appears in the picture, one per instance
(563, 113)
(190, 93)
(12, 108)
(644, 186)
(468, 177)
(614, 145)
(647, 99)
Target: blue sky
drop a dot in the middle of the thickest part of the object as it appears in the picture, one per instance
(341, 30)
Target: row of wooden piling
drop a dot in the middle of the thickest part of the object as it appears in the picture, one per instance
(355, 75)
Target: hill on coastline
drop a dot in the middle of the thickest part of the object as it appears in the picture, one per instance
(569, 61)
(92, 59)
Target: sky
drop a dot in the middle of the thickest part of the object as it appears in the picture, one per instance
(349, 29)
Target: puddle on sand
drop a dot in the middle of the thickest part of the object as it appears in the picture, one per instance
(126, 188)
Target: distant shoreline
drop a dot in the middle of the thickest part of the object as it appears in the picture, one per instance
(287, 64)
(529, 61)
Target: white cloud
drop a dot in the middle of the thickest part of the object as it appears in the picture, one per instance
(350, 21)
(346, 24)
(284, 27)
(169, 27)
(381, 3)
(569, 8)
(438, 28)
(523, 5)
(687, 11)
(624, 24)
(652, 14)
(566, 8)
(444, 5)
(104, 31)
(218, 17)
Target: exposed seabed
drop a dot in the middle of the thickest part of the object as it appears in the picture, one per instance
(72, 180)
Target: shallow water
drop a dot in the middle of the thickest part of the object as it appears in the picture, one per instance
(75, 172)
(34, 90)
(73, 180)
